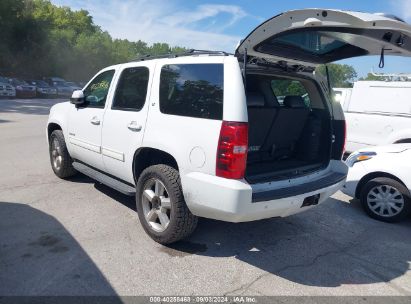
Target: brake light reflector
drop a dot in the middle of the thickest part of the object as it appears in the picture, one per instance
(232, 150)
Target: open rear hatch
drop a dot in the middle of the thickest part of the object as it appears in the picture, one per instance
(311, 37)
(287, 138)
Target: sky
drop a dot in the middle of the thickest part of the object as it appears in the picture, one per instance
(220, 24)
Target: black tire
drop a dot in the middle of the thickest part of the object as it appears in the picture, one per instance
(387, 182)
(65, 168)
(182, 222)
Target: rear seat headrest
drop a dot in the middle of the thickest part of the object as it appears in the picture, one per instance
(255, 99)
(294, 102)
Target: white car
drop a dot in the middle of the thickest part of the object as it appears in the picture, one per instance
(377, 113)
(202, 134)
(6, 89)
(381, 178)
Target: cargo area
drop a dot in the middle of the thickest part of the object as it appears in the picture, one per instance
(289, 128)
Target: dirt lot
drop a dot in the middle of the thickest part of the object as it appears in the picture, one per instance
(78, 237)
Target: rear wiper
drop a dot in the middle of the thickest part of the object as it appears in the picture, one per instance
(382, 57)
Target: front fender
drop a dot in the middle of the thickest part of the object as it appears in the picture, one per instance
(59, 114)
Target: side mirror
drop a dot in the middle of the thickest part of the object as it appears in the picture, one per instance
(77, 98)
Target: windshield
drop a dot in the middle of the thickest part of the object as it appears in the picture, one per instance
(60, 84)
(41, 83)
(3, 80)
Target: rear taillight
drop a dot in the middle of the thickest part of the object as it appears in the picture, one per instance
(232, 150)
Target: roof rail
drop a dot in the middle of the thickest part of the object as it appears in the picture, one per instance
(190, 52)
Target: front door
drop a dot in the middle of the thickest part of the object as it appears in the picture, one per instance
(125, 118)
(85, 121)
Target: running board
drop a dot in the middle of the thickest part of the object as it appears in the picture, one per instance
(105, 179)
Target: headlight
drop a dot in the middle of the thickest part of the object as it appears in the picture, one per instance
(359, 157)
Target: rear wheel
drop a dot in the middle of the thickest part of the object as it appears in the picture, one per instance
(386, 199)
(161, 208)
(60, 159)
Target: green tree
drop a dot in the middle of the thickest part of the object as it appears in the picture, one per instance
(342, 75)
(41, 39)
(372, 77)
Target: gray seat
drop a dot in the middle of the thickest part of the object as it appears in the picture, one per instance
(287, 128)
(260, 119)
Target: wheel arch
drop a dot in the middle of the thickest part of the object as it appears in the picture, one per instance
(403, 141)
(365, 179)
(51, 127)
(399, 136)
(147, 156)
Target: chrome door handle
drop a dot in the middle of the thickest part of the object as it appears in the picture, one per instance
(133, 126)
(95, 121)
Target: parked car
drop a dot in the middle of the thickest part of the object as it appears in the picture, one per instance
(6, 89)
(23, 89)
(203, 135)
(381, 178)
(43, 88)
(63, 89)
(74, 86)
(377, 113)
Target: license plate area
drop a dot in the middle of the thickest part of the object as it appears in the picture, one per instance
(311, 201)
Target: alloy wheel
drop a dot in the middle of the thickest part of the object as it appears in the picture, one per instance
(156, 205)
(56, 156)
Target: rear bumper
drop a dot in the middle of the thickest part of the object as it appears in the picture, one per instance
(235, 201)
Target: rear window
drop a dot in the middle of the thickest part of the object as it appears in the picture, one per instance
(194, 90)
(314, 42)
(327, 44)
(318, 46)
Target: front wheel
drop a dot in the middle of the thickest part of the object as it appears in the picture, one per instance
(386, 200)
(161, 208)
(60, 159)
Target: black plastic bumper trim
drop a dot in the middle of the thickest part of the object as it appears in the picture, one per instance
(324, 182)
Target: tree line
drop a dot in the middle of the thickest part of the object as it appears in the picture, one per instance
(41, 39)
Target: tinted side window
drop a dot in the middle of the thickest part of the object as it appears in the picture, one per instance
(194, 90)
(132, 89)
(96, 92)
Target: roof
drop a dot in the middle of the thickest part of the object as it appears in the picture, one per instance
(190, 52)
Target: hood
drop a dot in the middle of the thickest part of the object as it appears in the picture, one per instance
(396, 148)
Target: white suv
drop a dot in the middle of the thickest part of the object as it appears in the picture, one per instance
(203, 134)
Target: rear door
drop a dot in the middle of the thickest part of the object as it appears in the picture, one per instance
(125, 119)
(311, 37)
